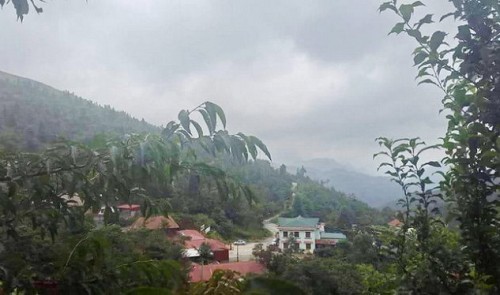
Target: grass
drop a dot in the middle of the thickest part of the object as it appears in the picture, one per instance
(252, 234)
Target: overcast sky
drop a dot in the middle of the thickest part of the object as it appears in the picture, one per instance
(310, 78)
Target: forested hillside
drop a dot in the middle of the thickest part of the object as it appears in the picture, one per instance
(65, 168)
(377, 191)
(34, 114)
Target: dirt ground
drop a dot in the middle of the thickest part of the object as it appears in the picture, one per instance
(244, 252)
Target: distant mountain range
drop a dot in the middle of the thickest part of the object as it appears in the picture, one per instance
(33, 114)
(373, 190)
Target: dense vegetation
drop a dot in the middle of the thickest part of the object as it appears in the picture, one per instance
(144, 169)
(34, 115)
(467, 71)
(199, 179)
(37, 115)
(45, 242)
(338, 210)
(430, 253)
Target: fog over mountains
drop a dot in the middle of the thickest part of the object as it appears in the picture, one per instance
(377, 191)
(34, 114)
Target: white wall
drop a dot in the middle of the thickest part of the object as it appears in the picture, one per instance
(301, 239)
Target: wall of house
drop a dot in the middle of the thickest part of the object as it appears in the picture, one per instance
(302, 240)
(221, 255)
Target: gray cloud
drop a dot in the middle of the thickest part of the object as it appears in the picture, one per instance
(312, 79)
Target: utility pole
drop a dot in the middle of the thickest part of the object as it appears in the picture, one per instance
(238, 253)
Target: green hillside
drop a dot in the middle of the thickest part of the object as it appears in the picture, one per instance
(33, 114)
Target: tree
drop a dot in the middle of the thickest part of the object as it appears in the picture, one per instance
(283, 169)
(467, 70)
(206, 254)
(324, 276)
(22, 7)
(33, 187)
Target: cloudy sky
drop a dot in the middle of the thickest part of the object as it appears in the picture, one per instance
(317, 78)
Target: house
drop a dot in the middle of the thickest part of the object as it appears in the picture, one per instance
(305, 231)
(329, 239)
(395, 223)
(194, 239)
(201, 273)
(167, 224)
(129, 210)
(307, 234)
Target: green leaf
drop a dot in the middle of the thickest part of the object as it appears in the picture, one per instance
(398, 28)
(417, 3)
(220, 143)
(185, 121)
(387, 5)
(238, 148)
(198, 128)
(464, 33)
(423, 72)
(393, 174)
(419, 58)
(432, 163)
(22, 7)
(219, 112)
(254, 140)
(446, 16)
(406, 11)
(425, 20)
(415, 34)
(249, 145)
(427, 81)
(436, 40)
(212, 113)
(208, 121)
(380, 153)
(427, 180)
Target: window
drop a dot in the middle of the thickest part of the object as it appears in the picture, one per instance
(285, 234)
(296, 234)
(285, 245)
(308, 234)
(308, 246)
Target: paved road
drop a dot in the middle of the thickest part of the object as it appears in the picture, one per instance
(244, 252)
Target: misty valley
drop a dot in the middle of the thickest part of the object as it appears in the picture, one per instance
(327, 159)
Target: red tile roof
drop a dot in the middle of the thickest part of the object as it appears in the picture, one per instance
(325, 242)
(195, 239)
(215, 245)
(130, 207)
(155, 222)
(191, 233)
(244, 268)
(395, 222)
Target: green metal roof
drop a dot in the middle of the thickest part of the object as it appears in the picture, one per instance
(337, 236)
(298, 221)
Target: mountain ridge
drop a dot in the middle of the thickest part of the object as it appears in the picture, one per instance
(34, 114)
(377, 191)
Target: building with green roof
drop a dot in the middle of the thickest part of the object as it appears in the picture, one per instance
(308, 233)
(298, 222)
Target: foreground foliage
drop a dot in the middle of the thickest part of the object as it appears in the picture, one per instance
(38, 216)
(467, 70)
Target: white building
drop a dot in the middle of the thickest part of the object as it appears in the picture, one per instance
(307, 233)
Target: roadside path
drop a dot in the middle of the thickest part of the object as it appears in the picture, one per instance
(245, 251)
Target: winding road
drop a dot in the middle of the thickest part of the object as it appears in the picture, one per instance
(244, 252)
